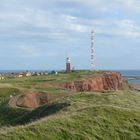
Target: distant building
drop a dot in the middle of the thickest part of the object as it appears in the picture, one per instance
(20, 75)
(68, 65)
(1, 78)
(73, 69)
(54, 72)
(28, 74)
(46, 73)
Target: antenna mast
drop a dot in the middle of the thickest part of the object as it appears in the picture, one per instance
(93, 61)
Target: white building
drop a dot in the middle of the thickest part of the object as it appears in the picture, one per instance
(28, 74)
(1, 78)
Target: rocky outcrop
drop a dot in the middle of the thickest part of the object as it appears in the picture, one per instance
(32, 100)
(108, 81)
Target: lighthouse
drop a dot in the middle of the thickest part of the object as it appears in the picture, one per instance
(68, 65)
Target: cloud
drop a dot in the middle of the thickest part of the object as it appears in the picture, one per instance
(28, 51)
(35, 21)
(31, 28)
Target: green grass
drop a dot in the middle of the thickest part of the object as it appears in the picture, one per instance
(83, 116)
(8, 114)
(78, 116)
(48, 82)
(61, 77)
(5, 93)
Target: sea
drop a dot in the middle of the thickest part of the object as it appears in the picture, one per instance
(133, 76)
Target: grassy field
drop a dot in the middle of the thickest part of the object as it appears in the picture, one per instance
(78, 116)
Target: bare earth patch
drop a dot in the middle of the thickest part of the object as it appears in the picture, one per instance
(31, 100)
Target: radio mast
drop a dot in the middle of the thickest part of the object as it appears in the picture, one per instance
(93, 57)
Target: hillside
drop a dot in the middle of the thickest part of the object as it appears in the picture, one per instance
(110, 115)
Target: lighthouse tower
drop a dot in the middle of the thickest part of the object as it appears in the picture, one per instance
(68, 65)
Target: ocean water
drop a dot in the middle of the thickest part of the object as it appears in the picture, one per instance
(134, 73)
(133, 76)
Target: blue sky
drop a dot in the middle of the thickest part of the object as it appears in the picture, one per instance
(38, 34)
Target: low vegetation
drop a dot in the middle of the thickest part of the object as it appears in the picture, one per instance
(77, 116)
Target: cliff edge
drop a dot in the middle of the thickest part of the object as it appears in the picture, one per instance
(108, 81)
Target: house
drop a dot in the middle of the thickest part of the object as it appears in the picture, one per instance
(20, 75)
(54, 72)
(1, 78)
(28, 74)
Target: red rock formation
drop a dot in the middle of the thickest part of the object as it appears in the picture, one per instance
(32, 100)
(107, 81)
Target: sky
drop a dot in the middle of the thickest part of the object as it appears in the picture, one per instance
(39, 34)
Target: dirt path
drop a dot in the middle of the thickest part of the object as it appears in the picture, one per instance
(5, 85)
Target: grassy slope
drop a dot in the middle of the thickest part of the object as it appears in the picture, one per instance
(83, 116)
(86, 116)
(8, 114)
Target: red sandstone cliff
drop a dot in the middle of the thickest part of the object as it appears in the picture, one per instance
(32, 100)
(107, 81)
